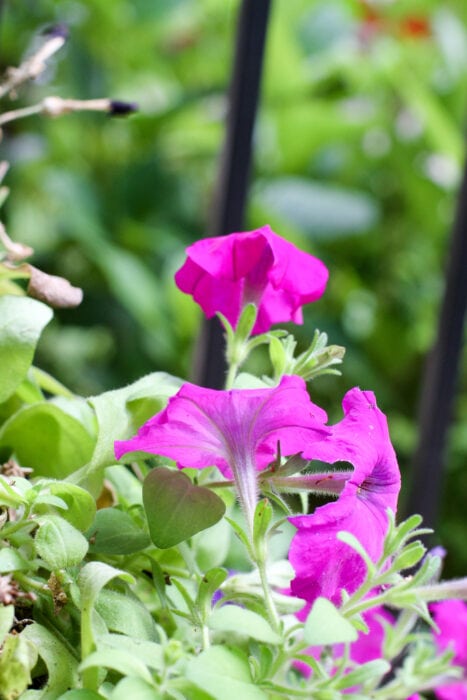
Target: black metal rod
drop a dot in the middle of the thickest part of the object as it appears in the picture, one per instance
(441, 372)
(228, 211)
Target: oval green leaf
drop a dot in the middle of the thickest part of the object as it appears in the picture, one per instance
(114, 532)
(231, 618)
(58, 543)
(225, 674)
(47, 439)
(21, 323)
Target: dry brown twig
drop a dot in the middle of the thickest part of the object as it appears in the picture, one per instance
(52, 289)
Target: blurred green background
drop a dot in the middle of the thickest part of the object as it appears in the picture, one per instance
(359, 147)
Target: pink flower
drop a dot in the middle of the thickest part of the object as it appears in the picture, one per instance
(235, 430)
(225, 273)
(323, 564)
(451, 618)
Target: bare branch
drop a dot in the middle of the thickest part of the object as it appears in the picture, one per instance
(35, 64)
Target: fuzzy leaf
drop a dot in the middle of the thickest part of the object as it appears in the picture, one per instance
(121, 412)
(17, 660)
(21, 323)
(115, 532)
(325, 625)
(225, 674)
(61, 664)
(127, 615)
(119, 661)
(231, 618)
(7, 613)
(58, 543)
(80, 505)
(48, 439)
(147, 651)
(131, 687)
(93, 577)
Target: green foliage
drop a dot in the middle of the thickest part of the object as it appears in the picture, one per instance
(176, 509)
(224, 673)
(325, 625)
(115, 532)
(58, 543)
(21, 323)
(118, 575)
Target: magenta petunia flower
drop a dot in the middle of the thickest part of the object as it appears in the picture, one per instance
(323, 564)
(226, 273)
(235, 430)
(451, 618)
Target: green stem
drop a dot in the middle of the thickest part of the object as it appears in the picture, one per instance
(188, 558)
(206, 637)
(231, 375)
(268, 599)
(28, 582)
(90, 676)
(354, 609)
(6, 532)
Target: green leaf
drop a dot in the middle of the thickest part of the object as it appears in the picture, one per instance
(369, 672)
(21, 323)
(409, 556)
(17, 659)
(261, 521)
(93, 577)
(80, 505)
(176, 509)
(7, 614)
(231, 618)
(277, 356)
(246, 322)
(128, 486)
(48, 383)
(121, 412)
(136, 688)
(210, 583)
(29, 392)
(188, 690)
(115, 532)
(212, 546)
(11, 560)
(148, 652)
(125, 614)
(325, 625)
(119, 661)
(61, 664)
(15, 495)
(58, 543)
(225, 674)
(81, 694)
(48, 439)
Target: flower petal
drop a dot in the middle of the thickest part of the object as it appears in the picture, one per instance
(225, 273)
(231, 429)
(324, 565)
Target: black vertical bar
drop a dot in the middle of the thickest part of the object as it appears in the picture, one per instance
(439, 383)
(228, 211)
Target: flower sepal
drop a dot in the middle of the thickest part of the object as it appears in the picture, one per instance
(261, 521)
(318, 359)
